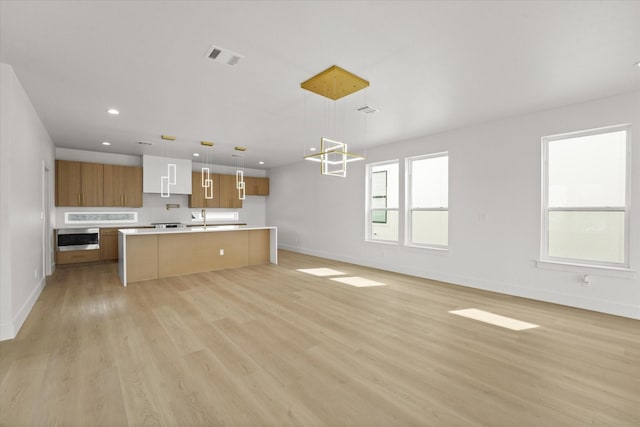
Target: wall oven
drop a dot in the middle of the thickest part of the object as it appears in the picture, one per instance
(78, 239)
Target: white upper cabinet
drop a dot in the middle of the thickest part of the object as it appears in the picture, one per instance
(165, 175)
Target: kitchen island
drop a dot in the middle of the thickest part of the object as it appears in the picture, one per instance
(146, 254)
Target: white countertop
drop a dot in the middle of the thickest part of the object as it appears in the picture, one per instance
(140, 225)
(208, 229)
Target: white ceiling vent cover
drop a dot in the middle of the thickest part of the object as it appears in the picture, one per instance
(224, 56)
(367, 109)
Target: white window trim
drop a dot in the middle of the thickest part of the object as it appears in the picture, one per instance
(408, 201)
(369, 175)
(68, 220)
(217, 215)
(617, 272)
(545, 259)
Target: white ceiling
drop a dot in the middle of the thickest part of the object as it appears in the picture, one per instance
(432, 65)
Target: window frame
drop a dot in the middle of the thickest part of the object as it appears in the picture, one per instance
(545, 209)
(369, 209)
(409, 209)
(385, 197)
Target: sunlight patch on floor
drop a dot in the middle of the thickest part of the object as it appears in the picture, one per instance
(359, 282)
(321, 272)
(494, 319)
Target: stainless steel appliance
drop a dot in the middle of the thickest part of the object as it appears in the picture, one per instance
(168, 225)
(78, 239)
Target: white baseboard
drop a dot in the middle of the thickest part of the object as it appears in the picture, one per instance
(9, 331)
(625, 310)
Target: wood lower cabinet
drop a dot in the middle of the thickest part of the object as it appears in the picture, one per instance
(109, 244)
(73, 257)
(198, 252)
(259, 247)
(153, 256)
(79, 183)
(122, 186)
(197, 198)
(255, 186)
(143, 251)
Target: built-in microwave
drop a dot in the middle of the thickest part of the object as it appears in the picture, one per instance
(78, 239)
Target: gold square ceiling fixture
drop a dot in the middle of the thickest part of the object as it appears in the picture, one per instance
(334, 83)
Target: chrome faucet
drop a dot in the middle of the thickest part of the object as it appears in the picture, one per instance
(204, 217)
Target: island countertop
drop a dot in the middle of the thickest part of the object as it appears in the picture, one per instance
(153, 253)
(191, 229)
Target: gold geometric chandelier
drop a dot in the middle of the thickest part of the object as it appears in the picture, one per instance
(334, 83)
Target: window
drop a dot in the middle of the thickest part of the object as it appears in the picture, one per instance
(214, 215)
(428, 201)
(382, 201)
(379, 197)
(586, 197)
(100, 217)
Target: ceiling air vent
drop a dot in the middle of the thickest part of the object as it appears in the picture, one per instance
(367, 109)
(226, 57)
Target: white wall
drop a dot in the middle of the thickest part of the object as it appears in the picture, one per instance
(494, 222)
(25, 147)
(253, 209)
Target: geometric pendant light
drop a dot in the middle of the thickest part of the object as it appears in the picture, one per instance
(334, 83)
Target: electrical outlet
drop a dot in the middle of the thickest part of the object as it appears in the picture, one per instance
(586, 280)
(221, 252)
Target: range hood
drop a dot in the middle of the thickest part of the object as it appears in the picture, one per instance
(154, 168)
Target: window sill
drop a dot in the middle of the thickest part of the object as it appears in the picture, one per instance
(430, 249)
(619, 272)
(384, 242)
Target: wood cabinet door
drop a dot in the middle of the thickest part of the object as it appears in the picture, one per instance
(255, 186)
(108, 244)
(122, 186)
(68, 183)
(262, 186)
(215, 201)
(92, 184)
(251, 186)
(196, 198)
(229, 192)
(132, 186)
(113, 184)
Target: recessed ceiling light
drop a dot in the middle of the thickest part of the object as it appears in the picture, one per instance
(106, 143)
(196, 154)
(113, 111)
(261, 162)
(637, 64)
(312, 149)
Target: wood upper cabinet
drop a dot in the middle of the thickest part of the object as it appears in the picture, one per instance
(133, 186)
(229, 192)
(197, 197)
(122, 186)
(79, 183)
(255, 186)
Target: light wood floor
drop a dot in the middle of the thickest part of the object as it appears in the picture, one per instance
(269, 345)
